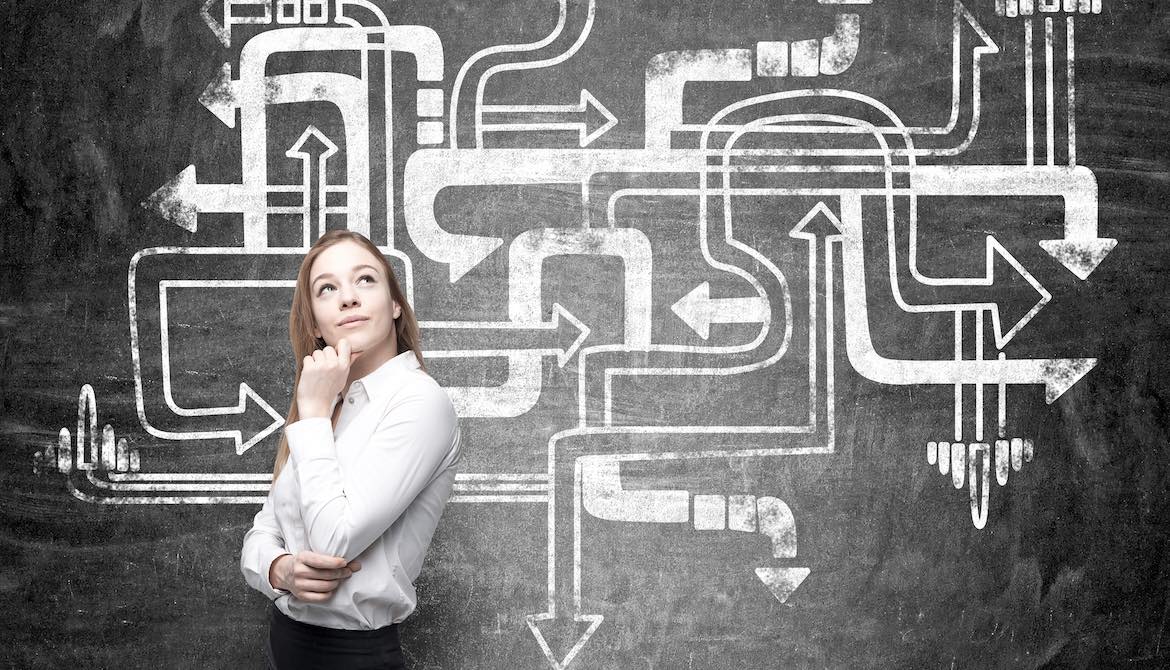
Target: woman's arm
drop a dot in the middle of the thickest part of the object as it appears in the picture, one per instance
(345, 512)
(263, 544)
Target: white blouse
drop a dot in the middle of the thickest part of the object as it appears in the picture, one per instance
(372, 489)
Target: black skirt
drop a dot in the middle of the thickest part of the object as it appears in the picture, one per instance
(294, 645)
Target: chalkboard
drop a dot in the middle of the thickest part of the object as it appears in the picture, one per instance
(785, 334)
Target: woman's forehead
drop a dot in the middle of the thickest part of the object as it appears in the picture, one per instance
(343, 257)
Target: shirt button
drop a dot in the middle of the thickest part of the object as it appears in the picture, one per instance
(351, 401)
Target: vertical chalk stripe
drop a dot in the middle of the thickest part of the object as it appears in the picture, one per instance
(1029, 96)
(1072, 98)
(958, 466)
(1048, 92)
(1003, 455)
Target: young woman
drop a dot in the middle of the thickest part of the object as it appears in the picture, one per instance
(364, 468)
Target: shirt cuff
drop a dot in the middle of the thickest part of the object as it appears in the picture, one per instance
(266, 569)
(310, 439)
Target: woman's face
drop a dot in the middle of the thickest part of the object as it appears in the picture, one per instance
(350, 294)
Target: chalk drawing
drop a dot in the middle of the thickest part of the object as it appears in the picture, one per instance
(812, 137)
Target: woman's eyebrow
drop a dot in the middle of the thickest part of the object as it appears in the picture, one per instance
(330, 274)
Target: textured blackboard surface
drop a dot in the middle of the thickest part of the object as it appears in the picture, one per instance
(863, 554)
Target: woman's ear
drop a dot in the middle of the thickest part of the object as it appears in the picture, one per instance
(397, 309)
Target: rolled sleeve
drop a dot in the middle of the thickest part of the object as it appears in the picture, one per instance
(346, 511)
(262, 545)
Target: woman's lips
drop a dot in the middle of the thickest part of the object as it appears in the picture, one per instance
(351, 324)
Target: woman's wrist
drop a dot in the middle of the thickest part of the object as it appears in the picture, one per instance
(276, 573)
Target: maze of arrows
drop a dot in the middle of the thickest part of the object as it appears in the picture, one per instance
(831, 174)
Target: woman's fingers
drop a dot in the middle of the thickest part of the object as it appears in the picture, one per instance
(317, 585)
(321, 573)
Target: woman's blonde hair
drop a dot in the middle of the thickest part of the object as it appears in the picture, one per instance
(300, 320)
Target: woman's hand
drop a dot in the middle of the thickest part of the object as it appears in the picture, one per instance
(310, 576)
(323, 376)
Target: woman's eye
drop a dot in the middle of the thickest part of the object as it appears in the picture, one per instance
(323, 287)
(370, 277)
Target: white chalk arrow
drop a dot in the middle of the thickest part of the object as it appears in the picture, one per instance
(182, 198)
(699, 310)
(1056, 374)
(782, 582)
(314, 147)
(1007, 317)
(221, 96)
(1080, 251)
(222, 32)
(554, 634)
(1080, 254)
(527, 118)
(444, 336)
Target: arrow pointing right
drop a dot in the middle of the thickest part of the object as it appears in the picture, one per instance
(566, 330)
(531, 117)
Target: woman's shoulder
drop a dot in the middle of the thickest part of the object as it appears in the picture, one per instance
(420, 387)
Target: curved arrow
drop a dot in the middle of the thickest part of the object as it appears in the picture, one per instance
(1056, 374)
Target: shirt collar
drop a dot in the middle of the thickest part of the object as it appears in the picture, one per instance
(380, 382)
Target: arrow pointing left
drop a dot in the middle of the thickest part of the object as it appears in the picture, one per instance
(182, 198)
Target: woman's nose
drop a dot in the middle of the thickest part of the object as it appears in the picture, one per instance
(348, 295)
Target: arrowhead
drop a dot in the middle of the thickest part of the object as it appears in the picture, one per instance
(568, 326)
(820, 221)
(1012, 315)
(311, 143)
(690, 308)
(782, 581)
(1081, 256)
(555, 635)
(175, 200)
(1061, 373)
(217, 27)
(266, 413)
(964, 17)
(471, 252)
(219, 96)
(588, 103)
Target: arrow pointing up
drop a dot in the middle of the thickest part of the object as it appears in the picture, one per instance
(819, 222)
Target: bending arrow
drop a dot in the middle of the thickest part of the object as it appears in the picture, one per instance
(1005, 328)
(429, 171)
(523, 118)
(1081, 250)
(961, 18)
(1056, 374)
(257, 411)
(699, 310)
(445, 336)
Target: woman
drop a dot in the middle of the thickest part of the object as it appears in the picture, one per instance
(368, 459)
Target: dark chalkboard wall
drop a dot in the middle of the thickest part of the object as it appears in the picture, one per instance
(784, 334)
